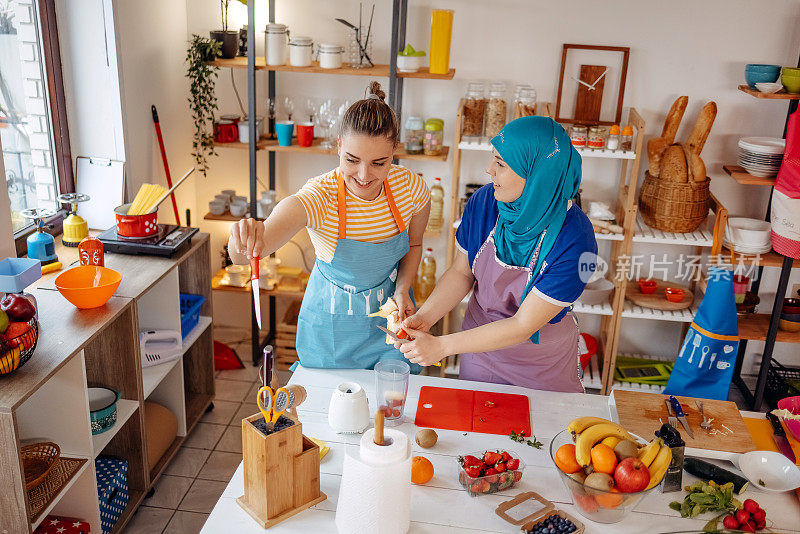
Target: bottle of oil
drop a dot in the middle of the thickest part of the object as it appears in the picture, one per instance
(427, 275)
(436, 218)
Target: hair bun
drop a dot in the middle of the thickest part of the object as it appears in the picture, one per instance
(375, 89)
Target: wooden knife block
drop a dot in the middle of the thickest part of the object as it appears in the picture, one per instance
(281, 472)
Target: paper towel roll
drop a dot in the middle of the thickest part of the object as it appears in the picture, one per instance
(375, 494)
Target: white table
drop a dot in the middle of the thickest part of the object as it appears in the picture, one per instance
(442, 506)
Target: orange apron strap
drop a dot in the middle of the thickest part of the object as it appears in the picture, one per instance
(341, 201)
(392, 206)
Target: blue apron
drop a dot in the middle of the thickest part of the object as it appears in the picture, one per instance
(333, 327)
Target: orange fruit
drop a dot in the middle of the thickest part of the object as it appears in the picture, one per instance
(610, 500)
(604, 459)
(421, 470)
(565, 459)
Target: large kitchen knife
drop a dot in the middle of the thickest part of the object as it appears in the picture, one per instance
(779, 436)
(676, 405)
(254, 271)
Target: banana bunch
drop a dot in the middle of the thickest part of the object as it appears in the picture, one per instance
(588, 431)
(657, 457)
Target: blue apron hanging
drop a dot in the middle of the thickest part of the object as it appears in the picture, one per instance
(333, 327)
(704, 367)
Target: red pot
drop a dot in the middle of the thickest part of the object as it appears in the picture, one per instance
(135, 225)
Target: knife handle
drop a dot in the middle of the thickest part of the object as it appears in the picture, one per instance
(676, 405)
(254, 268)
(777, 428)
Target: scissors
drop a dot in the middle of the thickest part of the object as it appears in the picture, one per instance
(273, 404)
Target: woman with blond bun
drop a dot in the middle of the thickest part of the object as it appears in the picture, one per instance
(366, 219)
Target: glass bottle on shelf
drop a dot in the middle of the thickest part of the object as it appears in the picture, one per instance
(496, 109)
(415, 131)
(474, 109)
(612, 143)
(436, 218)
(427, 275)
(525, 102)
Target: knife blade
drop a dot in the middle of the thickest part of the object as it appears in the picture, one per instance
(254, 271)
(399, 340)
(673, 422)
(779, 436)
(676, 405)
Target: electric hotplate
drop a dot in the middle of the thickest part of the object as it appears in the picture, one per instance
(167, 241)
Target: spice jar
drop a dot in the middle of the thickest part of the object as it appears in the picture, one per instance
(626, 142)
(474, 108)
(330, 56)
(434, 137)
(579, 135)
(597, 137)
(495, 109)
(415, 132)
(525, 102)
(275, 43)
(612, 143)
(300, 49)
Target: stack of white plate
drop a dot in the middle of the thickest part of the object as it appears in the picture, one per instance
(761, 156)
(748, 236)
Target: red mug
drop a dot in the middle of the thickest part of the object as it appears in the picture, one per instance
(305, 133)
(226, 132)
(647, 287)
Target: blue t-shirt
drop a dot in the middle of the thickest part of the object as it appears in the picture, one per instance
(559, 281)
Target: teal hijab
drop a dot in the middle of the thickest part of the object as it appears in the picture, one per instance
(540, 151)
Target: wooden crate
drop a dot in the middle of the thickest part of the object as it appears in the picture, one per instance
(281, 472)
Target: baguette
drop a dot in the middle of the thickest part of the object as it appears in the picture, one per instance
(673, 165)
(655, 151)
(688, 155)
(697, 139)
(674, 118)
(698, 168)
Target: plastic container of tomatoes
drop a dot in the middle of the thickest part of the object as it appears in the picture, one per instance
(484, 479)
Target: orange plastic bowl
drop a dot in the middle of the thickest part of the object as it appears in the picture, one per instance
(88, 286)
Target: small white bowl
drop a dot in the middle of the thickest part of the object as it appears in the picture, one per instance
(596, 292)
(748, 232)
(238, 209)
(772, 468)
(216, 207)
(411, 63)
(766, 87)
(225, 199)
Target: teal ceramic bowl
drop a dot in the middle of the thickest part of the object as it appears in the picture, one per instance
(102, 409)
(755, 73)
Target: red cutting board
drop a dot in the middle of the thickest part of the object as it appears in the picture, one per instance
(471, 411)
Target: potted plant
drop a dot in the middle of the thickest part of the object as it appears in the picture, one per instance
(202, 99)
(229, 40)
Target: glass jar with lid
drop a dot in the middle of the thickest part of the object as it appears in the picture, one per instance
(626, 140)
(612, 143)
(496, 109)
(579, 135)
(474, 109)
(434, 137)
(525, 102)
(415, 133)
(597, 137)
(330, 56)
(300, 49)
(276, 40)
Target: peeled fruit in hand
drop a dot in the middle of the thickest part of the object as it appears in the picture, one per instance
(3, 321)
(631, 475)
(426, 438)
(599, 482)
(421, 470)
(626, 449)
(565, 459)
(603, 459)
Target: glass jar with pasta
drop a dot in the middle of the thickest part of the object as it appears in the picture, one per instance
(495, 109)
(525, 102)
(474, 109)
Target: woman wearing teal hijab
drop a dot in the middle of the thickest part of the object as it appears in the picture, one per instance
(526, 252)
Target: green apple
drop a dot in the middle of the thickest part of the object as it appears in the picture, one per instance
(3, 321)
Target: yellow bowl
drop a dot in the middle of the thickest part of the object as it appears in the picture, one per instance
(789, 326)
(88, 286)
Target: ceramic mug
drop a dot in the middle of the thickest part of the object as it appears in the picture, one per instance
(237, 274)
(305, 133)
(284, 129)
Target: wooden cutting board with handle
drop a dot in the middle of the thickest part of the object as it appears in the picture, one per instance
(643, 413)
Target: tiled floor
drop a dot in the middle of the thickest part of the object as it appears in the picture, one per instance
(197, 475)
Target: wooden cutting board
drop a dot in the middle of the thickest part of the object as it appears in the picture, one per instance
(640, 412)
(657, 300)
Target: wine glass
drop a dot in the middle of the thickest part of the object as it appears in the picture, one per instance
(288, 106)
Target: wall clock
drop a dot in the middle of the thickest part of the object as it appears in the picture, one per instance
(591, 85)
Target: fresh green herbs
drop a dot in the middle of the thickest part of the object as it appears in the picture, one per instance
(708, 497)
(520, 438)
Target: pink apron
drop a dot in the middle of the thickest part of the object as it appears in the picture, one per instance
(552, 364)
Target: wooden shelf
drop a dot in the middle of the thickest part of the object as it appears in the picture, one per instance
(743, 177)
(378, 70)
(224, 217)
(483, 144)
(768, 259)
(215, 285)
(755, 327)
(54, 499)
(780, 95)
(203, 323)
(125, 409)
(271, 145)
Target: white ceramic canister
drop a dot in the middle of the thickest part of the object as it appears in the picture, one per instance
(330, 56)
(300, 49)
(276, 41)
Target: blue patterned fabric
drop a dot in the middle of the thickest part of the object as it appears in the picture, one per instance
(112, 489)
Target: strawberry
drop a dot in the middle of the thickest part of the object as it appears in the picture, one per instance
(506, 457)
(491, 458)
(517, 476)
(487, 488)
(473, 471)
(500, 466)
(491, 475)
(476, 487)
(512, 464)
(750, 505)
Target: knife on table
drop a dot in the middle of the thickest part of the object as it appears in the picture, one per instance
(399, 340)
(673, 422)
(676, 405)
(254, 271)
(779, 436)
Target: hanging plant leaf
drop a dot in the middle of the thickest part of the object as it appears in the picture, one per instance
(202, 98)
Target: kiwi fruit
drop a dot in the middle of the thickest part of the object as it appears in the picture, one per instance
(599, 481)
(426, 438)
(625, 449)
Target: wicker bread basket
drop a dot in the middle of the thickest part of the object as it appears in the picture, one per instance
(674, 206)
(37, 461)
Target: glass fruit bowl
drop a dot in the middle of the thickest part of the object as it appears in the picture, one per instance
(488, 484)
(597, 505)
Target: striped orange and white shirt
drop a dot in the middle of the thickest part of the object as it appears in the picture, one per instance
(370, 221)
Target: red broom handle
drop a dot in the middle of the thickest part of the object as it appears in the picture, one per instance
(166, 165)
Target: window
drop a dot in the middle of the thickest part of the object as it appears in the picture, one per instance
(33, 127)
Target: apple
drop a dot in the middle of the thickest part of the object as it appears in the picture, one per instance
(631, 475)
(15, 335)
(18, 307)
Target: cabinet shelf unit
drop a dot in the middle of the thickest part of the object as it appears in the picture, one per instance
(271, 145)
(253, 64)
